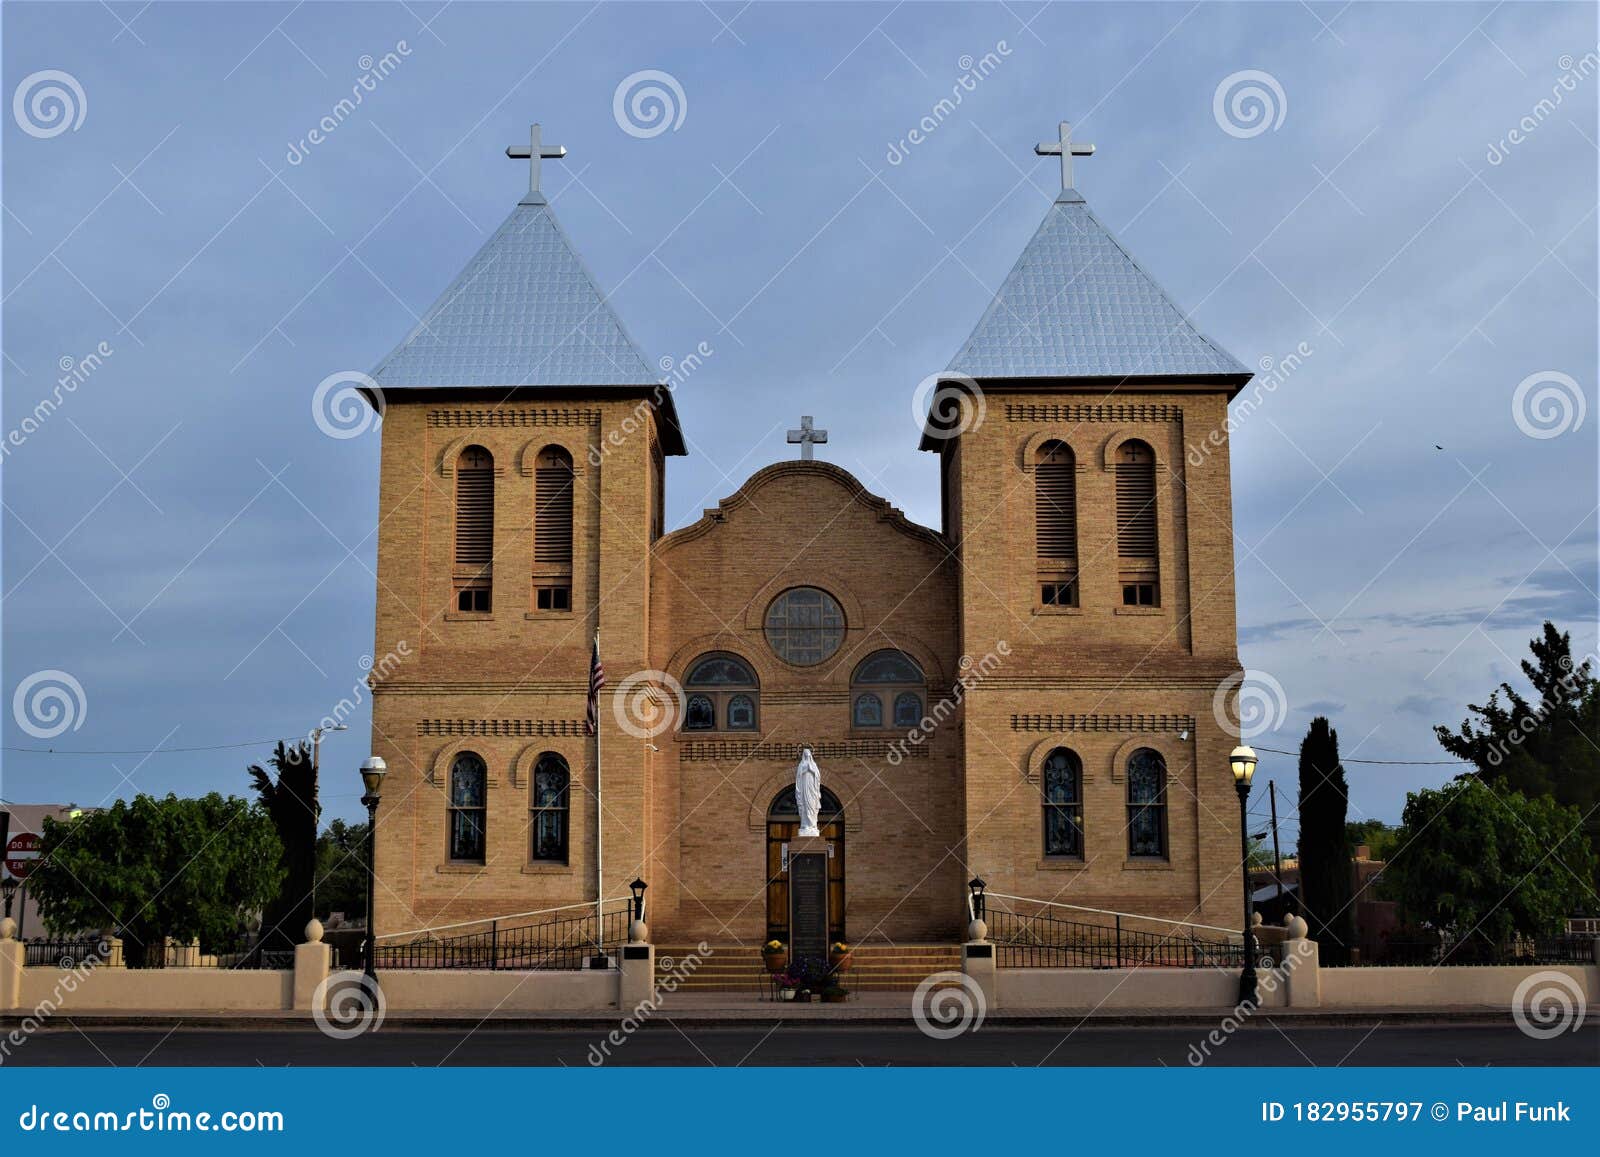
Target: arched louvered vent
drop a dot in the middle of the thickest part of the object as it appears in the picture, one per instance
(552, 517)
(1136, 501)
(1055, 500)
(475, 508)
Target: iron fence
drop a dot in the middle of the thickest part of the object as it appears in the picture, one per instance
(1434, 952)
(552, 946)
(64, 953)
(1044, 941)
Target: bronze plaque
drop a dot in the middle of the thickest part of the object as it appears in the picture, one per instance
(808, 905)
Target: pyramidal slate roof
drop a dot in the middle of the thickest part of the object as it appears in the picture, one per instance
(1077, 305)
(524, 312)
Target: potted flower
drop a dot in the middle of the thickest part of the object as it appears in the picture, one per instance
(787, 986)
(834, 994)
(774, 955)
(839, 955)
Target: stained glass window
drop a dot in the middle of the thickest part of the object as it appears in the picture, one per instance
(804, 626)
(726, 690)
(699, 715)
(1147, 805)
(868, 711)
(1063, 804)
(741, 713)
(469, 781)
(549, 809)
(907, 709)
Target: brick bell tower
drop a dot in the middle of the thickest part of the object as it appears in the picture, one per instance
(1097, 548)
(522, 485)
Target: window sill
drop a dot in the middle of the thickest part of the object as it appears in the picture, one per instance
(684, 735)
(1137, 610)
(468, 617)
(1045, 610)
(1061, 864)
(547, 614)
(459, 868)
(546, 868)
(1147, 865)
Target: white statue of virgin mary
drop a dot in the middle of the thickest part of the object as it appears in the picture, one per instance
(808, 792)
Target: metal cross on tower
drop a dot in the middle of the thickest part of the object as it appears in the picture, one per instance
(1066, 148)
(806, 436)
(534, 152)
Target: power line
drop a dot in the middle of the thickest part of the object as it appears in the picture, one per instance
(148, 751)
(1389, 762)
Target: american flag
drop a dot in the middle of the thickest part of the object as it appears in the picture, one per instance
(597, 681)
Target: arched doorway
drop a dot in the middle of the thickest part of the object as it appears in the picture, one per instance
(783, 822)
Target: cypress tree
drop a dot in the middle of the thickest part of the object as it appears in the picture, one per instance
(1325, 886)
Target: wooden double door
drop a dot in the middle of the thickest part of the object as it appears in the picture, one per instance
(805, 889)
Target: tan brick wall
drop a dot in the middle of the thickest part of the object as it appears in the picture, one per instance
(688, 815)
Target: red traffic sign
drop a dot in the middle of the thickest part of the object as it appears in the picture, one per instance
(22, 854)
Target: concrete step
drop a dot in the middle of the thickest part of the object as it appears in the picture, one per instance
(738, 967)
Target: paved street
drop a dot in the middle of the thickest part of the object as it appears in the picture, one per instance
(669, 1043)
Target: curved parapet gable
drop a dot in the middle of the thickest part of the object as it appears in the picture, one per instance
(779, 471)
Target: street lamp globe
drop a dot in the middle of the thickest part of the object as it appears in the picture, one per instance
(1242, 762)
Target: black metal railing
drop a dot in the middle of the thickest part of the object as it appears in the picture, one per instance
(551, 946)
(1434, 952)
(1026, 940)
(64, 953)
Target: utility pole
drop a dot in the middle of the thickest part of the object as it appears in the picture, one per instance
(1277, 859)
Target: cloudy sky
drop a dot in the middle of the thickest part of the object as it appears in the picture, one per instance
(182, 539)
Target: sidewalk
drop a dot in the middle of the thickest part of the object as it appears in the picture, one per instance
(711, 1009)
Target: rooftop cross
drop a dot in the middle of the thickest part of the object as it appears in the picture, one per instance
(533, 151)
(806, 436)
(1066, 148)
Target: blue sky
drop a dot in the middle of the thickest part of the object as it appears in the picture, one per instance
(182, 539)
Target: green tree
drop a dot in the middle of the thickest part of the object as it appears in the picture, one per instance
(1378, 836)
(342, 870)
(1325, 886)
(1481, 865)
(151, 868)
(291, 802)
(1546, 746)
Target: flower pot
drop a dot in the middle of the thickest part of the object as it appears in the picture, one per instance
(834, 998)
(785, 994)
(840, 960)
(775, 961)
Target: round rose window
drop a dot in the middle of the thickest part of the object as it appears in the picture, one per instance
(804, 626)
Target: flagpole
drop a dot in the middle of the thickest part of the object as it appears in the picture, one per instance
(599, 815)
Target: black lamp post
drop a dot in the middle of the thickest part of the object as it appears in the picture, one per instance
(1242, 762)
(637, 888)
(977, 886)
(9, 886)
(372, 773)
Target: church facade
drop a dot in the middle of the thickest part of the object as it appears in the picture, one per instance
(1026, 692)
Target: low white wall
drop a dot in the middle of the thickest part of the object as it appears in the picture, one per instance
(197, 989)
(506, 991)
(1451, 985)
(1142, 988)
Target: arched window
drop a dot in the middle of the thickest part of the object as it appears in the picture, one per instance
(725, 694)
(1055, 524)
(552, 530)
(867, 712)
(474, 529)
(907, 709)
(804, 626)
(1136, 525)
(549, 809)
(894, 677)
(1063, 804)
(469, 782)
(699, 714)
(1147, 805)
